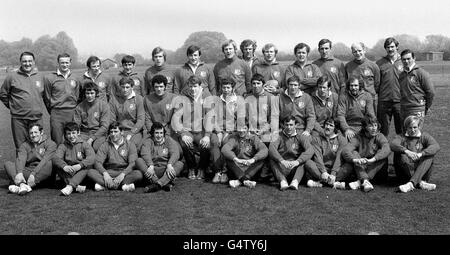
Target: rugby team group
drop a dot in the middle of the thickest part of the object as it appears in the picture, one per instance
(246, 120)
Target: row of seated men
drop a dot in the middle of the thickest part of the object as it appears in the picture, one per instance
(327, 159)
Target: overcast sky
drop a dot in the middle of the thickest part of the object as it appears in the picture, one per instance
(104, 27)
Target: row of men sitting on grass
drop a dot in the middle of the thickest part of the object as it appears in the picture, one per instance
(325, 159)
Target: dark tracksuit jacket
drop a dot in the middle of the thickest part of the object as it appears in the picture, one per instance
(263, 111)
(424, 144)
(159, 109)
(308, 75)
(93, 118)
(389, 89)
(129, 112)
(301, 107)
(272, 71)
(71, 154)
(61, 93)
(324, 109)
(226, 113)
(327, 152)
(352, 110)
(103, 81)
(335, 70)
(33, 156)
(138, 84)
(160, 155)
(416, 90)
(183, 73)
(366, 70)
(22, 94)
(164, 70)
(245, 148)
(237, 70)
(123, 159)
(295, 147)
(363, 146)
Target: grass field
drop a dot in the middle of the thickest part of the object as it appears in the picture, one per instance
(194, 207)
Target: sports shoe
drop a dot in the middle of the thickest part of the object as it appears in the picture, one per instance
(235, 183)
(191, 174)
(217, 177)
(294, 184)
(313, 184)
(168, 187)
(67, 190)
(427, 186)
(128, 187)
(24, 189)
(367, 186)
(200, 174)
(80, 189)
(98, 187)
(249, 184)
(406, 187)
(355, 185)
(339, 185)
(13, 189)
(154, 187)
(223, 177)
(284, 185)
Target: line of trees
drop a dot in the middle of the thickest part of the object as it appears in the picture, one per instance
(46, 48)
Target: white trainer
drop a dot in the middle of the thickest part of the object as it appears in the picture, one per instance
(24, 189)
(355, 185)
(67, 190)
(128, 187)
(284, 185)
(234, 183)
(294, 184)
(427, 186)
(80, 189)
(313, 184)
(367, 186)
(14, 189)
(250, 184)
(407, 187)
(98, 187)
(339, 185)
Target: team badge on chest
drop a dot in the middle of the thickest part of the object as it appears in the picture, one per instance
(294, 146)
(330, 104)
(413, 79)
(79, 155)
(169, 80)
(132, 106)
(41, 151)
(362, 103)
(367, 72)
(301, 105)
(101, 84)
(400, 68)
(95, 114)
(38, 84)
(334, 147)
(165, 151)
(168, 106)
(73, 83)
(309, 74)
(123, 152)
(203, 74)
(276, 74)
(333, 69)
(418, 146)
(237, 71)
(136, 82)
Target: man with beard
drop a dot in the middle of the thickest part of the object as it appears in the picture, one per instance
(270, 69)
(331, 67)
(159, 58)
(231, 67)
(353, 106)
(307, 72)
(325, 103)
(248, 48)
(101, 79)
(288, 155)
(367, 154)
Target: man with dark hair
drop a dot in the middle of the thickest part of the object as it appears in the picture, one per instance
(196, 67)
(115, 162)
(389, 90)
(159, 161)
(93, 117)
(330, 66)
(325, 103)
(128, 64)
(416, 88)
(73, 159)
(95, 74)
(61, 95)
(22, 94)
(367, 154)
(270, 69)
(232, 67)
(248, 48)
(353, 106)
(288, 154)
(159, 58)
(307, 73)
(33, 162)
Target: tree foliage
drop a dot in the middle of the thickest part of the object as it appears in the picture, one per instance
(210, 45)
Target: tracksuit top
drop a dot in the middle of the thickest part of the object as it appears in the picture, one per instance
(35, 155)
(22, 95)
(423, 143)
(71, 154)
(308, 75)
(159, 109)
(168, 72)
(129, 112)
(416, 89)
(160, 154)
(301, 107)
(193, 116)
(104, 83)
(262, 110)
(334, 69)
(93, 118)
(245, 148)
(352, 110)
(61, 93)
(366, 70)
(363, 146)
(183, 73)
(237, 70)
(389, 90)
(293, 147)
(324, 109)
(270, 71)
(138, 84)
(226, 113)
(122, 159)
(327, 152)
